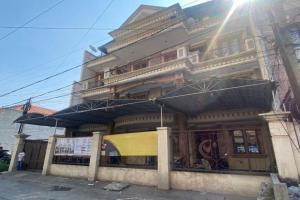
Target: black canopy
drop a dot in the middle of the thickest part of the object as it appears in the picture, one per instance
(198, 96)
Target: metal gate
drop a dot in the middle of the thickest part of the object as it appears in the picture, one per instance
(35, 151)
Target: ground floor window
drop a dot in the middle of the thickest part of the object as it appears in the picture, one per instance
(245, 141)
(240, 149)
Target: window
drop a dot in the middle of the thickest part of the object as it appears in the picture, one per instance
(245, 141)
(228, 47)
(239, 142)
(235, 46)
(140, 65)
(170, 56)
(252, 145)
(122, 70)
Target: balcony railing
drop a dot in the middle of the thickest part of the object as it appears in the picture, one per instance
(242, 57)
(149, 71)
(94, 88)
(193, 62)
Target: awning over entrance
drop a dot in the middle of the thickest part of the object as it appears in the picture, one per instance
(100, 112)
(191, 99)
(222, 94)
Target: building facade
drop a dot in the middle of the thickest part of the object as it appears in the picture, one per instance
(203, 72)
(158, 50)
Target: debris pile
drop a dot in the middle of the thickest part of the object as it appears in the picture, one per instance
(114, 186)
(265, 192)
(294, 193)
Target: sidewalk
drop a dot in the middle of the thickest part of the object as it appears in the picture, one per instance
(29, 185)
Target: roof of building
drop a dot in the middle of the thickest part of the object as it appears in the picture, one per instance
(208, 9)
(35, 109)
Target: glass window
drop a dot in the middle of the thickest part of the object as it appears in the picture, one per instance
(297, 52)
(235, 46)
(140, 65)
(245, 141)
(170, 56)
(239, 142)
(223, 49)
(252, 141)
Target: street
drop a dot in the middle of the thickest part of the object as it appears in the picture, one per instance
(30, 185)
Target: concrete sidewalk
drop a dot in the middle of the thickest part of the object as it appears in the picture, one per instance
(29, 185)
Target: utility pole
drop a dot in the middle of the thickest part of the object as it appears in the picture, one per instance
(280, 29)
(25, 108)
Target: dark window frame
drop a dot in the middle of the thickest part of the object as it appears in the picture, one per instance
(246, 142)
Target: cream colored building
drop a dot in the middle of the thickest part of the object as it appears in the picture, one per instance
(199, 71)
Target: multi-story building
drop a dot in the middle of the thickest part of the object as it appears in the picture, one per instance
(203, 71)
(158, 50)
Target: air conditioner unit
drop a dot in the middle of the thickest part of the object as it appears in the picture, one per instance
(249, 44)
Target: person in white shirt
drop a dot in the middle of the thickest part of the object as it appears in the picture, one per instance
(21, 158)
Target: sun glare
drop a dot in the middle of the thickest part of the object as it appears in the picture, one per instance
(236, 4)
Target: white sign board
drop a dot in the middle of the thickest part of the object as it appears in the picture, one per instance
(80, 146)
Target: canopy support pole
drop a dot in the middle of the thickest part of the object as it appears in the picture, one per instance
(56, 122)
(161, 117)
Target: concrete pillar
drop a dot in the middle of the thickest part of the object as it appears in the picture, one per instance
(49, 155)
(280, 190)
(95, 155)
(19, 146)
(184, 144)
(282, 145)
(295, 143)
(163, 158)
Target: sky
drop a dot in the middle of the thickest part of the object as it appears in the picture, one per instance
(29, 55)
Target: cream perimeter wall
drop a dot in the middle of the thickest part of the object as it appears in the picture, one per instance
(146, 177)
(75, 171)
(242, 185)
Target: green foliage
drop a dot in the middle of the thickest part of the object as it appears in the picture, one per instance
(3, 166)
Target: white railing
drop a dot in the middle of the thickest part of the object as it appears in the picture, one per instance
(94, 91)
(149, 71)
(242, 57)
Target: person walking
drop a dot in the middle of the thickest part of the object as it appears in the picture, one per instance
(21, 158)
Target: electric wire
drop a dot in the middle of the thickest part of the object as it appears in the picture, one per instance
(32, 19)
(77, 92)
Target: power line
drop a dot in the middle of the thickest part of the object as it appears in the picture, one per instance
(49, 77)
(59, 57)
(82, 91)
(28, 85)
(58, 89)
(49, 92)
(87, 32)
(32, 19)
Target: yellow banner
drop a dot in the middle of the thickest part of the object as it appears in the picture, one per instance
(131, 144)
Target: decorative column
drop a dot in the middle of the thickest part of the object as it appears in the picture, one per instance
(282, 144)
(184, 142)
(19, 146)
(163, 157)
(95, 155)
(49, 155)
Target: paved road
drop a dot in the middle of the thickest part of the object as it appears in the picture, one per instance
(28, 185)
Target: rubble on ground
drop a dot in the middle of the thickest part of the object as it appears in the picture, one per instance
(265, 192)
(294, 193)
(114, 186)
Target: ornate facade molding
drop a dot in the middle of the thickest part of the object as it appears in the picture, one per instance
(218, 116)
(143, 119)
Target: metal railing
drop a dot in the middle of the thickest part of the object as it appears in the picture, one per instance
(210, 151)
